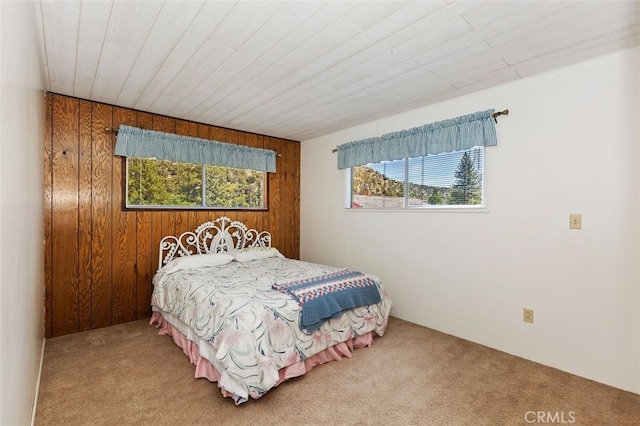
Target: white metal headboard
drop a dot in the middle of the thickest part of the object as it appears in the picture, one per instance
(222, 235)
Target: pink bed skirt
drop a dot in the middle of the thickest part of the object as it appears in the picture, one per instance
(205, 369)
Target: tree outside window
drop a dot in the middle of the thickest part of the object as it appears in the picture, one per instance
(451, 180)
(155, 183)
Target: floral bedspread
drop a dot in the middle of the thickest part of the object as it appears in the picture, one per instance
(254, 330)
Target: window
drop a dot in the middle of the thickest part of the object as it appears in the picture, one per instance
(448, 180)
(155, 183)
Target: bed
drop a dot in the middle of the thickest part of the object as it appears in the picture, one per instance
(249, 318)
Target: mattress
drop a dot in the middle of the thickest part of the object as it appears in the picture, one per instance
(248, 331)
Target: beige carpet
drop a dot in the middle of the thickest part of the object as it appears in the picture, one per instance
(128, 375)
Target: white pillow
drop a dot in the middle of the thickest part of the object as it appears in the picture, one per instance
(254, 253)
(197, 261)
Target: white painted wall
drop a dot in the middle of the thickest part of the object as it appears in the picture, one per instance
(571, 144)
(21, 212)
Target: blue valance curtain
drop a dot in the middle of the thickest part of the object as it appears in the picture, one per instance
(135, 142)
(456, 134)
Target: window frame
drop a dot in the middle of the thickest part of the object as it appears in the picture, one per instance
(484, 208)
(133, 207)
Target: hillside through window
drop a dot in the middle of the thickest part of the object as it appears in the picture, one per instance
(448, 180)
(163, 184)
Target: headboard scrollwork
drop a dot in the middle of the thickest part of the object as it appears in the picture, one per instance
(221, 235)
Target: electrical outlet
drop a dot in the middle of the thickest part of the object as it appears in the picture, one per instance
(527, 315)
(575, 221)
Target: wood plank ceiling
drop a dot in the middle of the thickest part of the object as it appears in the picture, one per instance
(302, 69)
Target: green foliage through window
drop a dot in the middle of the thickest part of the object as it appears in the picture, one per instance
(452, 180)
(158, 183)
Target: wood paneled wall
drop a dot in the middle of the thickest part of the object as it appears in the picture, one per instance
(99, 258)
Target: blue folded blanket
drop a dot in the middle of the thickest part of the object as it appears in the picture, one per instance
(327, 296)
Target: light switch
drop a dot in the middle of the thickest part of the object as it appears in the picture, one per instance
(575, 221)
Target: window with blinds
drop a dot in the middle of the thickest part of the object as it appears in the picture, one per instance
(448, 180)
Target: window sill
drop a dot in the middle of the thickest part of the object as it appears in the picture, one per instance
(422, 210)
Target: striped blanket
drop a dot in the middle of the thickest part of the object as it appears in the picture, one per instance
(327, 296)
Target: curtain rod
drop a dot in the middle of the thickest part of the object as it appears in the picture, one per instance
(110, 129)
(495, 116)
